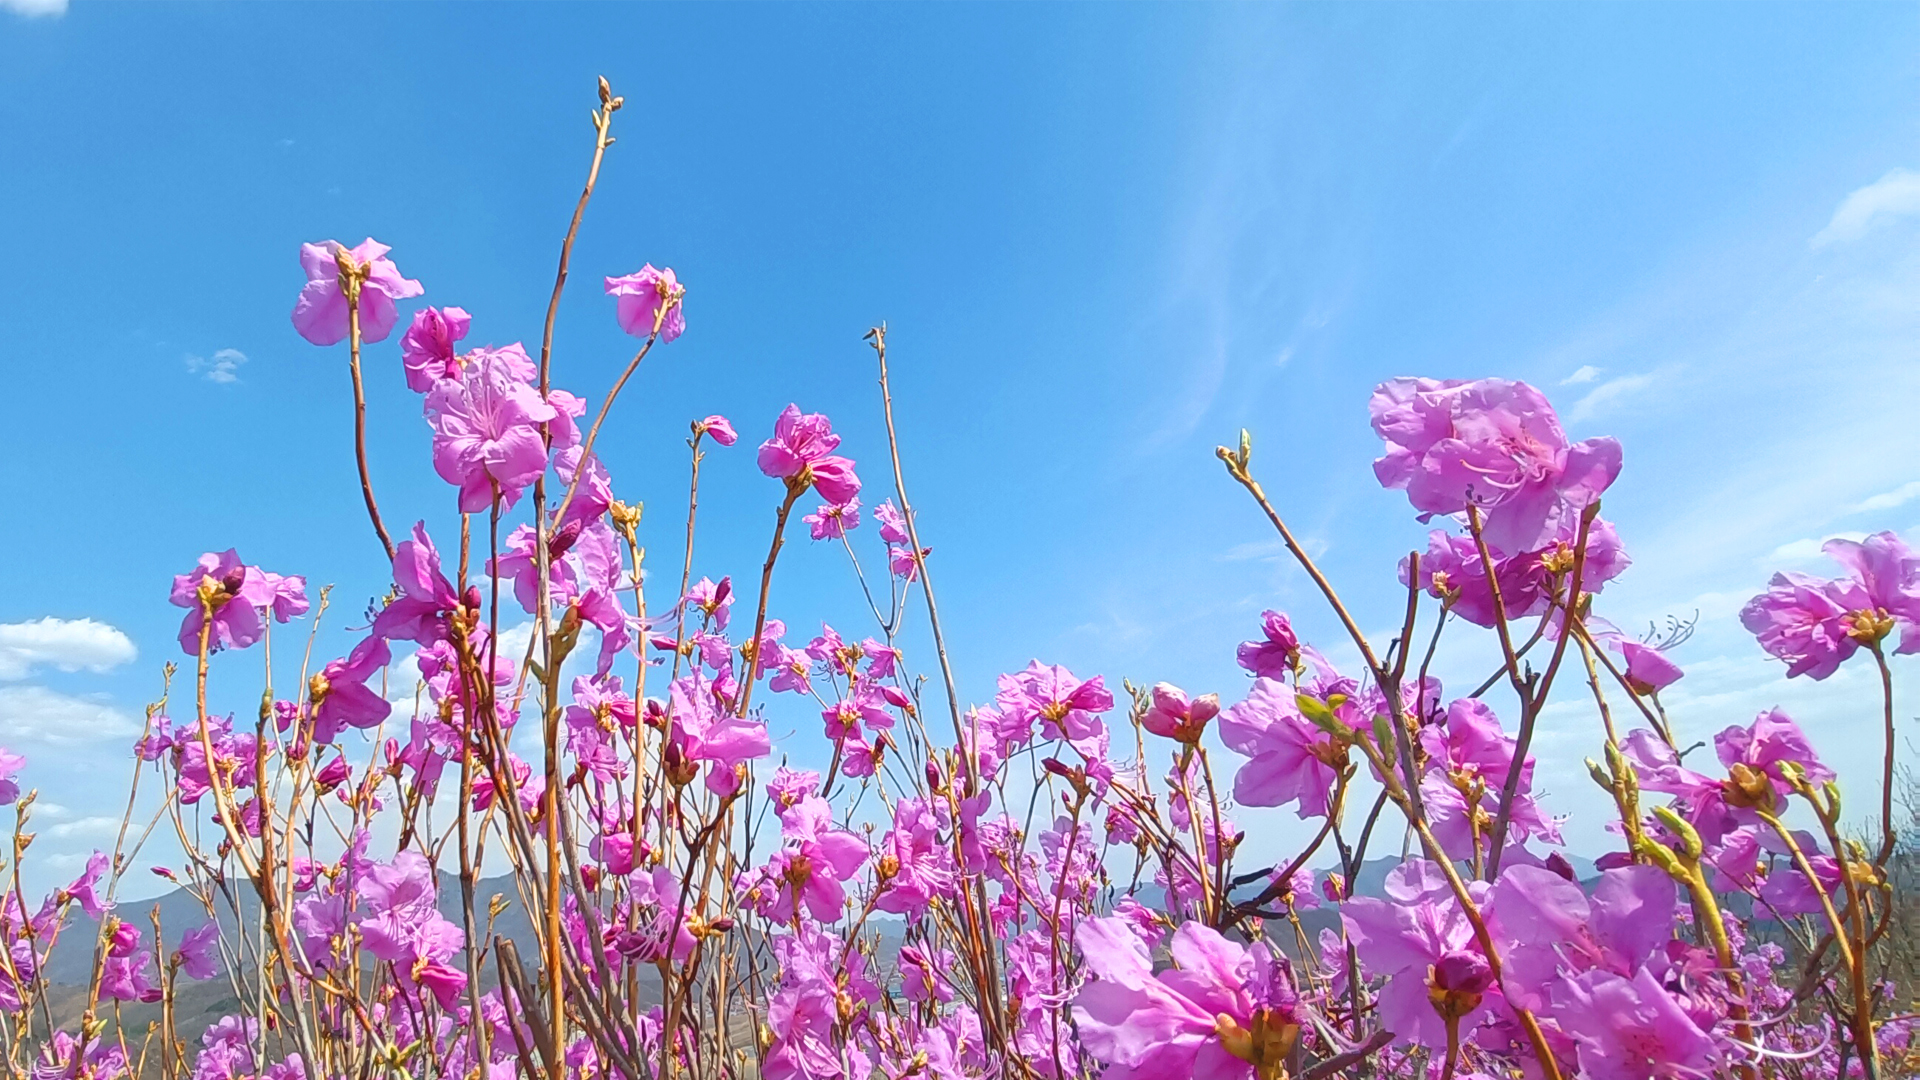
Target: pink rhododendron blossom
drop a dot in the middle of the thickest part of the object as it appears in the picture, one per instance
(340, 694)
(715, 602)
(801, 453)
(649, 300)
(1805, 621)
(1406, 937)
(1224, 1011)
(286, 595)
(719, 429)
(1172, 715)
(426, 598)
(1066, 707)
(919, 864)
(10, 766)
(426, 350)
(812, 869)
(486, 431)
(1275, 653)
(1648, 668)
(1291, 760)
(237, 593)
(1489, 443)
(893, 524)
(1815, 624)
(834, 521)
(320, 315)
(703, 731)
(1631, 1028)
(199, 952)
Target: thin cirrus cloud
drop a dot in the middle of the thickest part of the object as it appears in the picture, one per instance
(222, 367)
(1608, 394)
(1895, 195)
(66, 644)
(1887, 500)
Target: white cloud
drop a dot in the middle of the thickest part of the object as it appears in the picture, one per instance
(37, 714)
(1808, 548)
(35, 8)
(83, 827)
(1606, 395)
(1586, 373)
(1887, 500)
(68, 644)
(223, 368)
(1895, 195)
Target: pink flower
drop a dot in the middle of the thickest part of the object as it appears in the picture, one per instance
(893, 524)
(923, 973)
(816, 862)
(1066, 707)
(340, 694)
(10, 766)
(713, 601)
(801, 453)
(703, 732)
(1490, 443)
(1413, 937)
(1453, 569)
(1291, 759)
(1632, 1029)
(832, 522)
(649, 300)
(1173, 716)
(1224, 1011)
(1648, 669)
(84, 889)
(1276, 653)
(237, 591)
(426, 597)
(922, 866)
(286, 595)
(199, 952)
(1471, 742)
(400, 924)
(426, 350)
(320, 315)
(901, 561)
(718, 428)
(124, 978)
(1815, 624)
(486, 431)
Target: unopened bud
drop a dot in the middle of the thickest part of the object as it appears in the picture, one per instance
(1748, 788)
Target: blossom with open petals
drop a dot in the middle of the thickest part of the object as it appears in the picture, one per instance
(642, 296)
(801, 452)
(320, 315)
(1493, 444)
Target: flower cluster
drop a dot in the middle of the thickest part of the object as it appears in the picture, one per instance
(528, 823)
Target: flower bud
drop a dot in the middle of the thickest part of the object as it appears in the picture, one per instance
(1748, 788)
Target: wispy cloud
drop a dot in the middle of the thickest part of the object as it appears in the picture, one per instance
(1586, 373)
(1887, 500)
(223, 367)
(1895, 195)
(1607, 395)
(68, 644)
(39, 715)
(35, 9)
(1807, 548)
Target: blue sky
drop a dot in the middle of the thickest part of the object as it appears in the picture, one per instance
(1105, 239)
